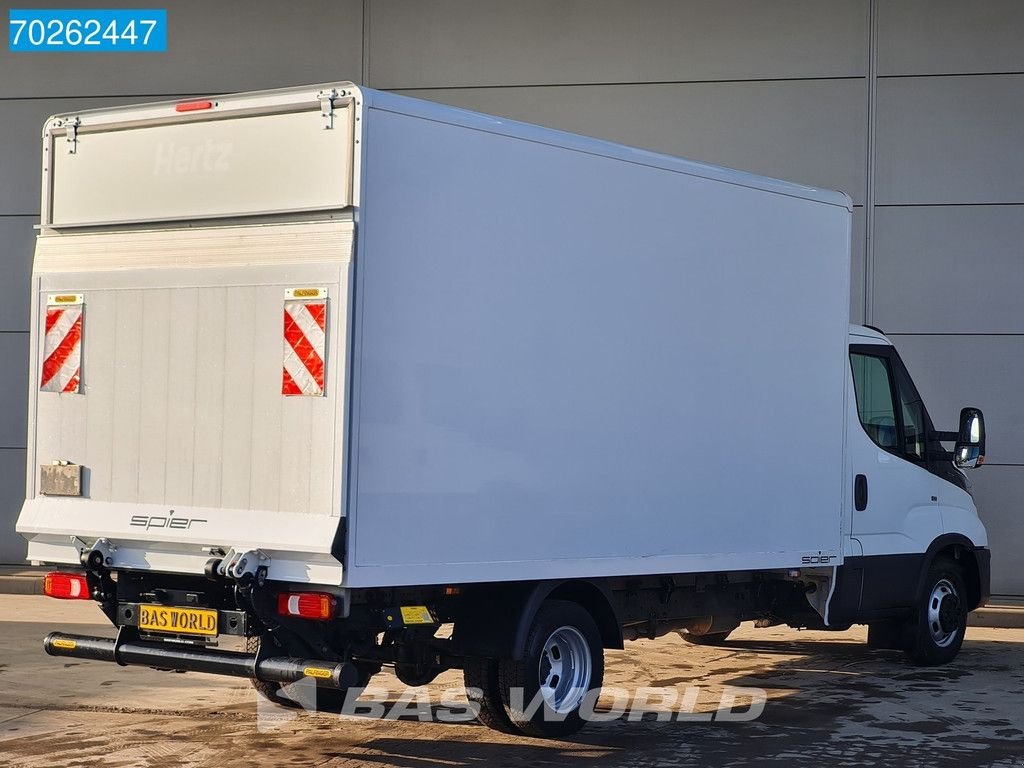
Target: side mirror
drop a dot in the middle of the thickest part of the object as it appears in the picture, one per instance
(970, 441)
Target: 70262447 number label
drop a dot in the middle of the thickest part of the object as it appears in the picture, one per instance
(81, 30)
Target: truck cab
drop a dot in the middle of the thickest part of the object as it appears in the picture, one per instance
(912, 502)
(893, 443)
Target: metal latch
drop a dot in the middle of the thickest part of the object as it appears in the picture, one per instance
(327, 107)
(72, 135)
(95, 556)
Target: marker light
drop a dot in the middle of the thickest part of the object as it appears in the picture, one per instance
(306, 605)
(66, 586)
(192, 106)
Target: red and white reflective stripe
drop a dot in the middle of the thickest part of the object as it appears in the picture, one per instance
(62, 350)
(304, 347)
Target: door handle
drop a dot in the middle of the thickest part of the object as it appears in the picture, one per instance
(860, 493)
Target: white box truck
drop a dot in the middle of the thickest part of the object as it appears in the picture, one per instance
(324, 368)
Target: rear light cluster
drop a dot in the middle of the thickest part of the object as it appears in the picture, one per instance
(306, 605)
(66, 586)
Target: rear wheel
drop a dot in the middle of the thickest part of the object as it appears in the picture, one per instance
(941, 616)
(562, 663)
(327, 699)
(481, 679)
(272, 693)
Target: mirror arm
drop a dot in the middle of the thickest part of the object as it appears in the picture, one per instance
(947, 437)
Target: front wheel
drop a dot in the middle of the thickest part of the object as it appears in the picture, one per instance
(941, 616)
(563, 663)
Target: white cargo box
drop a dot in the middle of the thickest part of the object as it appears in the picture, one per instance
(545, 355)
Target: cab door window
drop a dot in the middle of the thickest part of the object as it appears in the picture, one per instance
(915, 421)
(872, 381)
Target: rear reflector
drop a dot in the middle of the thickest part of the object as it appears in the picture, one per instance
(66, 586)
(306, 605)
(192, 106)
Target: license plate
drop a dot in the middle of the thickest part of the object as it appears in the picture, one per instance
(178, 621)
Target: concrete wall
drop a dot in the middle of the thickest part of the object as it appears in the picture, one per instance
(913, 107)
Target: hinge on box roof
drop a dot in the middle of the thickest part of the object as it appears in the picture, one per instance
(327, 107)
(72, 135)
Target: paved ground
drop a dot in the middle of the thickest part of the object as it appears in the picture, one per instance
(831, 701)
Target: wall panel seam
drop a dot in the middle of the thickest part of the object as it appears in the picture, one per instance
(82, 96)
(602, 84)
(869, 191)
(364, 62)
(949, 205)
(950, 74)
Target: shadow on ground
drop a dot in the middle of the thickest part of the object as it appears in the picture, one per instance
(831, 701)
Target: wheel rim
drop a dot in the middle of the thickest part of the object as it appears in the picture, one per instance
(565, 669)
(944, 613)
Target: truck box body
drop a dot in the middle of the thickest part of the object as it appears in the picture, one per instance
(545, 356)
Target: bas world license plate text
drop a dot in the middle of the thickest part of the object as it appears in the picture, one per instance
(182, 621)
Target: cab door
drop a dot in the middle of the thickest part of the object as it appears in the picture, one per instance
(896, 508)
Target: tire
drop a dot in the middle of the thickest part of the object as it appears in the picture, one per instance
(563, 661)
(480, 676)
(327, 699)
(272, 693)
(709, 638)
(940, 616)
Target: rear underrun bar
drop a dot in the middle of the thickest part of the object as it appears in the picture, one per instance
(279, 669)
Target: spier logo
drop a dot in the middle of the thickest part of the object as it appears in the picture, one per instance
(818, 559)
(164, 521)
(176, 159)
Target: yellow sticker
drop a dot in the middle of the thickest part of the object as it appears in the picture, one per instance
(63, 299)
(416, 614)
(67, 645)
(305, 293)
(318, 672)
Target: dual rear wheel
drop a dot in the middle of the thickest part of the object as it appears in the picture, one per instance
(549, 691)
